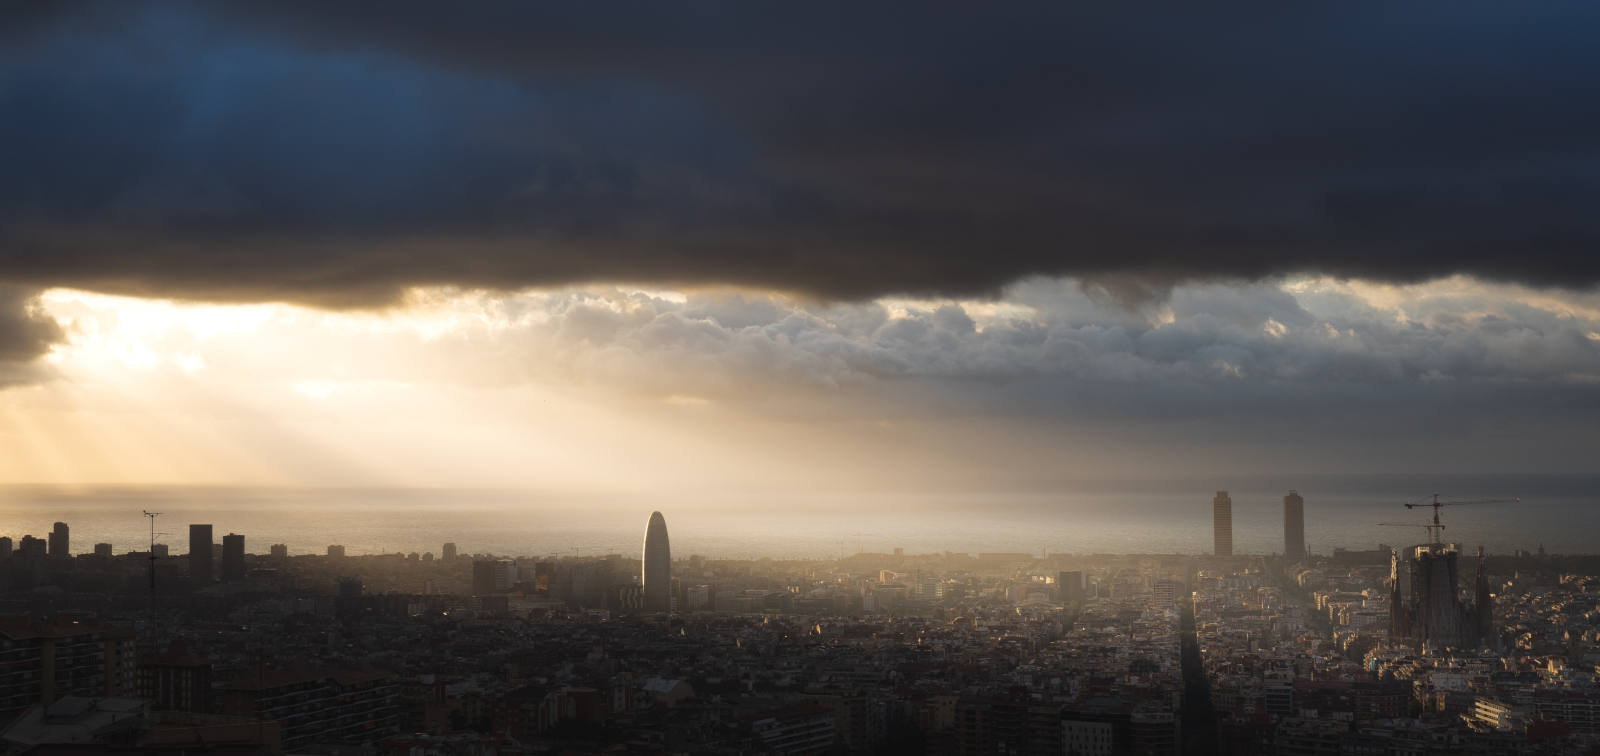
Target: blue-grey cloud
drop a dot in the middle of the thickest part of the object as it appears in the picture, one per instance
(317, 152)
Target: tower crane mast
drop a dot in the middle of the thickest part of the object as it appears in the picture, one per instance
(1437, 503)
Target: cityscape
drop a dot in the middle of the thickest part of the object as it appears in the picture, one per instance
(518, 378)
(228, 647)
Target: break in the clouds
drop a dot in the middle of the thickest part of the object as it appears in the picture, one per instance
(714, 387)
(337, 154)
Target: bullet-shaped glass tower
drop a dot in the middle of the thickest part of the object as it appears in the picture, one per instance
(657, 577)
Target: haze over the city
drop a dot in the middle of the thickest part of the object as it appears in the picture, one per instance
(673, 252)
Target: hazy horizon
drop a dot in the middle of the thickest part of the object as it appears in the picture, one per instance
(1341, 512)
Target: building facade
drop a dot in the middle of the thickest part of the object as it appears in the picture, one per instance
(1434, 614)
(200, 557)
(1222, 524)
(60, 544)
(1294, 527)
(657, 569)
(232, 557)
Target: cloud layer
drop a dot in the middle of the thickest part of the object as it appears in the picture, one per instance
(1305, 375)
(300, 151)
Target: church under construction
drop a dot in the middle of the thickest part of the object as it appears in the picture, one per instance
(1433, 614)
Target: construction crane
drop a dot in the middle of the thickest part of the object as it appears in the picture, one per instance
(1433, 530)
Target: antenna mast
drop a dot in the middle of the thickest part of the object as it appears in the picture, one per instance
(152, 516)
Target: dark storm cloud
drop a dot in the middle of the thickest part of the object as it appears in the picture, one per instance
(25, 333)
(335, 154)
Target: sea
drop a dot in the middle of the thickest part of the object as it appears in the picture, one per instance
(1560, 513)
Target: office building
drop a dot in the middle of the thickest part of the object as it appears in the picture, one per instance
(5, 547)
(59, 543)
(657, 567)
(493, 576)
(161, 551)
(1294, 527)
(336, 551)
(279, 551)
(1069, 587)
(449, 552)
(232, 558)
(102, 550)
(1222, 524)
(200, 554)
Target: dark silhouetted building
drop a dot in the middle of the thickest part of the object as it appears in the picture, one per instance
(200, 567)
(318, 707)
(279, 551)
(5, 547)
(449, 552)
(1434, 614)
(1294, 527)
(1222, 524)
(32, 548)
(656, 579)
(232, 558)
(176, 681)
(102, 550)
(45, 660)
(1069, 587)
(492, 575)
(336, 551)
(60, 545)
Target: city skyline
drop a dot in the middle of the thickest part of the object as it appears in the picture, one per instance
(1018, 378)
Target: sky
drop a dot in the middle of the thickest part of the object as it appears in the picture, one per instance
(646, 247)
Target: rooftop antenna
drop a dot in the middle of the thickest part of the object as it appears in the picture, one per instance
(152, 516)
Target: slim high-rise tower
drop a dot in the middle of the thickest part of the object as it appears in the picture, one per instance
(60, 547)
(232, 558)
(200, 555)
(1294, 527)
(1222, 524)
(657, 577)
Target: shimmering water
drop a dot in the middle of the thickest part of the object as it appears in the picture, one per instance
(1560, 512)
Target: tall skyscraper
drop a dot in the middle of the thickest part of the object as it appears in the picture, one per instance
(59, 544)
(450, 552)
(232, 558)
(5, 547)
(1222, 524)
(1294, 527)
(200, 552)
(657, 577)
